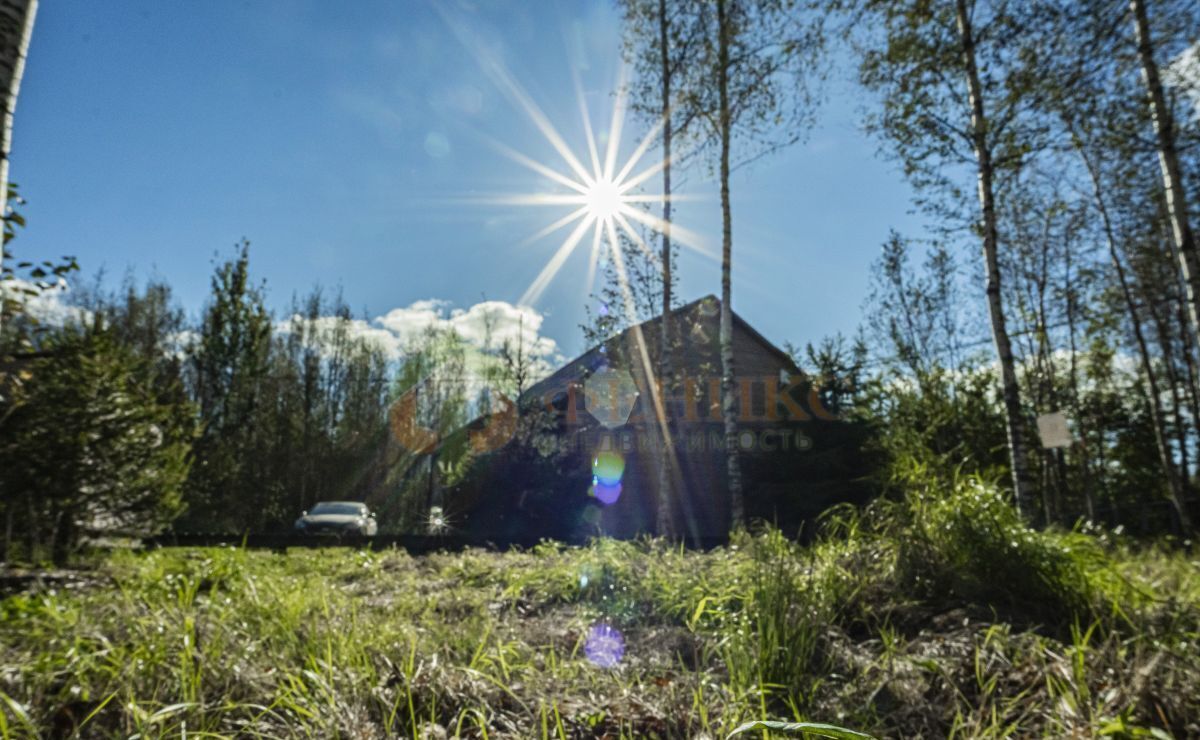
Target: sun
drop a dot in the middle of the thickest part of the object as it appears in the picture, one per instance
(606, 197)
(603, 200)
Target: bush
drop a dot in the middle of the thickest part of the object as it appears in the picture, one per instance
(965, 539)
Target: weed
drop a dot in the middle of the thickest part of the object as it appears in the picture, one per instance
(881, 624)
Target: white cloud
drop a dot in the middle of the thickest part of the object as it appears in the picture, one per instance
(409, 322)
(1183, 74)
(326, 327)
(47, 306)
(490, 324)
(484, 327)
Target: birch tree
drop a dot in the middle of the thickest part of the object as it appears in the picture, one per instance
(955, 85)
(755, 82)
(1100, 90)
(1174, 189)
(659, 43)
(16, 28)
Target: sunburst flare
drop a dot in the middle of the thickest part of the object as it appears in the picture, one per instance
(604, 198)
(600, 195)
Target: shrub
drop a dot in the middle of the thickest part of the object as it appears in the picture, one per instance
(965, 539)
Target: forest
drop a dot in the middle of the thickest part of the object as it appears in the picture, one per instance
(1054, 148)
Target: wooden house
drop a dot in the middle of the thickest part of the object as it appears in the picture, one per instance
(593, 441)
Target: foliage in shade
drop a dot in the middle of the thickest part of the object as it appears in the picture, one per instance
(90, 445)
(963, 539)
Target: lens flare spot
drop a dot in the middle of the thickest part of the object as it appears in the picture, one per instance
(590, 515)
(437, 522)
(608, 466)
(609, 395)
(437, 145)
(606, 493)
(746, 440)
(605, 646)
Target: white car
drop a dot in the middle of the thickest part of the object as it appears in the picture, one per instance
(338, 518)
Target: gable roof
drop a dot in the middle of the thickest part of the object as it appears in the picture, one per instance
(699, 312)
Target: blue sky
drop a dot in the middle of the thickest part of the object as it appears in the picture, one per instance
(351, 143)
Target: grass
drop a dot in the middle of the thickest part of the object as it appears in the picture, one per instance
(919, 618)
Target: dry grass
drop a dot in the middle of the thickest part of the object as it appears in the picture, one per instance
(359, 644)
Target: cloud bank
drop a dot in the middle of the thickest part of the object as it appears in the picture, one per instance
(47, 306)
(484, 326)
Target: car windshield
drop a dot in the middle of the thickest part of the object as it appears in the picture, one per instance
(346, 509)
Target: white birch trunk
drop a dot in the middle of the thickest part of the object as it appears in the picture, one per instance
(1014, 416)
(16, 27)
(1168, 157)
(737, 504)
(665, 525)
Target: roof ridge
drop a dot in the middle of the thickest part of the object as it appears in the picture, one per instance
(624, 336)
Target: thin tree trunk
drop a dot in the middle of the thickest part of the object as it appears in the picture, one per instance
(31, 530)
(1162, 328)
(1114, 507)
(664, 525)
(1085, 468)
(1014, 417)
(1168, 157)
(1047, 392)
(1189, 357)
(16, 27)
(1156, 412)
(65, 536)
(1182, 328)
(1173, 382)
(737, 504)
(8, 530)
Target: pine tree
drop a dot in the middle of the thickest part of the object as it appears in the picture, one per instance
(91, 447)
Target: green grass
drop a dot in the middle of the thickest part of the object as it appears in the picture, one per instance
(921, 618)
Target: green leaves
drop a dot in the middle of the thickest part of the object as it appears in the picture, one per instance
(16, 289)
(90, 436)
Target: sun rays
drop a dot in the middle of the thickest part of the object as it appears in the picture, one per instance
(606, 199)
(607, 196)
(600, 195)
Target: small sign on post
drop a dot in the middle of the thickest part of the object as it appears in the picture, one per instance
(1053, 430)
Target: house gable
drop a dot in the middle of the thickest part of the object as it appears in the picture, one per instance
(696, 355)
